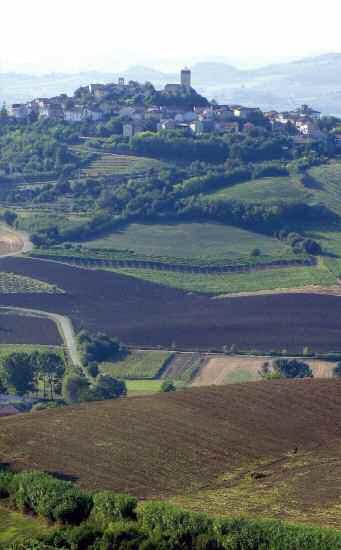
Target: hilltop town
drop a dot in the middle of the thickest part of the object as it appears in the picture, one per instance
(140, 107)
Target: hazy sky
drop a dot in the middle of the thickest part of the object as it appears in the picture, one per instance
(73, 35)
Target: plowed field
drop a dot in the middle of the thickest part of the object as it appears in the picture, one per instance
(17, 329)
(146, 314)
(202, 444)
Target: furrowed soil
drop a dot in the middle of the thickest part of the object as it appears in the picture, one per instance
(23, 329)
(202, 447)
(144, 314)
(105, 301)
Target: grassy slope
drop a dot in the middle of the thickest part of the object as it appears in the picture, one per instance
(291, 277)
(265, 190)
(190, 240)
(14, 526)
(199, 446)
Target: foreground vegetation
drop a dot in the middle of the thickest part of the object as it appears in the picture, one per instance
(105, 520)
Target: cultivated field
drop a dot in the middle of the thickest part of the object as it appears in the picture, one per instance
(20, 329)
(177, 318)
(109, 164)
(11, 283)
(202, 447)
(137, 365)
(191, 240)
(229, 283)
(220, 370)
(265, 190)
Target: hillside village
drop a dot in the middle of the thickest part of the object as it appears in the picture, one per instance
(140, 108)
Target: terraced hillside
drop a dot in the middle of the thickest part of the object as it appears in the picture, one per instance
(110, 164)
(266, 448)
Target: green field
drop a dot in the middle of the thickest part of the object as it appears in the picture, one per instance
(18, 284)
(143, 387)
(196, 240)
(265, 190)
(271, 279)
(328, 184)
(137, 365)
(14, 526)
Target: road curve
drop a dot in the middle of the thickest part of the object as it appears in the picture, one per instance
(64, 325)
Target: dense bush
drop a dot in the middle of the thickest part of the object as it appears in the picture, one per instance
(52, 498)
(6, 483)
(167, 386)
(98, 347)
(109, 507)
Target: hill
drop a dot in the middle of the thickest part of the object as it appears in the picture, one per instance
(314, 80)
(268, 448)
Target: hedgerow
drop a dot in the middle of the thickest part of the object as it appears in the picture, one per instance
(110, 521)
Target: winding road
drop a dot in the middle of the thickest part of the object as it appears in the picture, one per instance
(15, 243)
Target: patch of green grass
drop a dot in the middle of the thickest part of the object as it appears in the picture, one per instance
(143, 386)
(14, 526)
(196, 240)
(137, 365)
(265, 190)
(227, 283)
(11, 283)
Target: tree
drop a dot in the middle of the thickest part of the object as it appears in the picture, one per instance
(98, 347)
(292, 368)
(9, 217)
(75, 388)
(17, 373)
(49, 369)
(108, 387)
(167, 386)
(267, 372)
(337, 370)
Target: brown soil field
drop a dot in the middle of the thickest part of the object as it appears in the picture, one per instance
(229, 370)
(146, 314)
(199, 447)
(19, 329)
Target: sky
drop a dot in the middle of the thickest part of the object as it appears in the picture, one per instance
(109, 35)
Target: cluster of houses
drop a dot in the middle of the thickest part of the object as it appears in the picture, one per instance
(200, 120)
(61, 108)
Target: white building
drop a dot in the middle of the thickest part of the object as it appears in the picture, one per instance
(18, 111)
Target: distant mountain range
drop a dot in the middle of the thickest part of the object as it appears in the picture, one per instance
(314, 80)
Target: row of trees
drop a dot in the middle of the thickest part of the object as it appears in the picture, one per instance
(37, 372)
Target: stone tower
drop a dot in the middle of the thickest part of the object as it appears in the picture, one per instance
(186, 77)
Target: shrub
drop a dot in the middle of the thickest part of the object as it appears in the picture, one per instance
(123, 535)
(166, 518)
(337, 370)
(51, 498)
(6, 483)
(167, 386)
(109, 506)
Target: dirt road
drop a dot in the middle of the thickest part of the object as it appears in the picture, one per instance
(64, 326)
